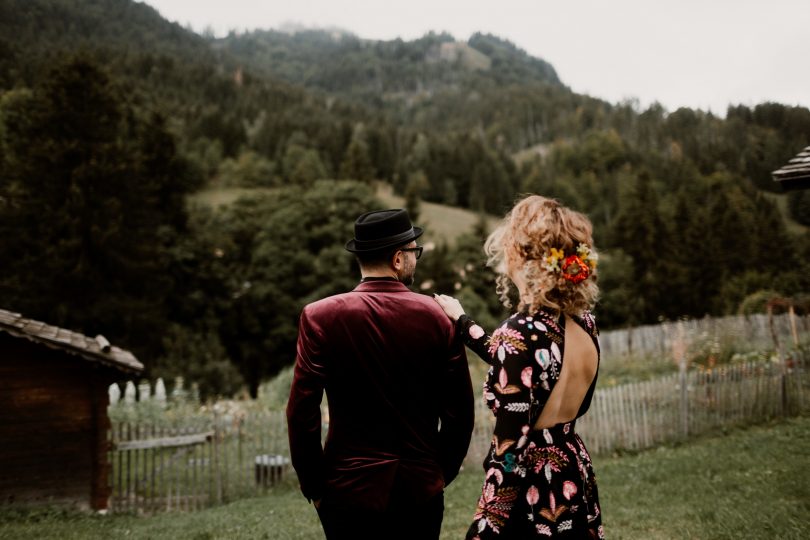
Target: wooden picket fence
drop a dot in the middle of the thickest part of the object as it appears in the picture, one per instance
(202, 460)
(210, 455)
(655, 341)
(646, 414)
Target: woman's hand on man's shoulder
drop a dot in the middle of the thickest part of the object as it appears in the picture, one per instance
(451, 306)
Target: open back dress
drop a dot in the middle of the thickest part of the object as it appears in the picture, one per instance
(539, 483)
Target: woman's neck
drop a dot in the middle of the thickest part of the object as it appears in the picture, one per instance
(523, 290)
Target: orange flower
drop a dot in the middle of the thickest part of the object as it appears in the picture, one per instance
(574, 269)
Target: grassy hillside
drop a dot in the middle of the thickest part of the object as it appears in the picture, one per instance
(780, 199)
(442, 223)
(749, 483)
(216, 197)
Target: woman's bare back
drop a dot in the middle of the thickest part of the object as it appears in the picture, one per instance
(579, 365)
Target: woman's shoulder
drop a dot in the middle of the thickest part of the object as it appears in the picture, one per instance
(541, 322)
(588, 322)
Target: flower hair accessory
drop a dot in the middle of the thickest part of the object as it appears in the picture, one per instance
(574, 268)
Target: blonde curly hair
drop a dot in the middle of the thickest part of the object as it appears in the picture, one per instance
(520, 244)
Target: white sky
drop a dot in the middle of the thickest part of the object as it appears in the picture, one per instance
(694, 53)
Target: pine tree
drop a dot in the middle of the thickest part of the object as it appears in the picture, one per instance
(356, 164)
(93, 196)
(639, 231)
(417, 184)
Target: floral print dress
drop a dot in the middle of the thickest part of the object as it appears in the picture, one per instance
(538, 483)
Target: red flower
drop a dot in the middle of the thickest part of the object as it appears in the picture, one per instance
(574, 269)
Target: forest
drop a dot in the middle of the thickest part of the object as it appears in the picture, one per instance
(112, 118)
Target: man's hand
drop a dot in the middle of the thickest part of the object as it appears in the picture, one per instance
(317, 503)
(450, 305)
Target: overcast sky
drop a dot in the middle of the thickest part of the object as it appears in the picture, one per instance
(693, 53)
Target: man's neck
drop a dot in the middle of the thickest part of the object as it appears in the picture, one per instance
(389, 279)
(376, 274)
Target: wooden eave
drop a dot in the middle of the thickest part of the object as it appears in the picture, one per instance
(796, 173)
(91, 349)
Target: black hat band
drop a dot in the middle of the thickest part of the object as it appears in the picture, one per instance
(367, 245)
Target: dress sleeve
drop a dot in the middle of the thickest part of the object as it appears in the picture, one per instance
(510, 385)
(475, 337)
(510, 382)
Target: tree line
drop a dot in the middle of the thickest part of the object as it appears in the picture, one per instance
(105, 135)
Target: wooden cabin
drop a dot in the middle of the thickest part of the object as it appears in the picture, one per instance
(795, 174)
(53, 413)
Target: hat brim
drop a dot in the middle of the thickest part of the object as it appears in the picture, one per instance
(352, 246)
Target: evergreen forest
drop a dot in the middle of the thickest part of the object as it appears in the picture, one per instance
(112, 119)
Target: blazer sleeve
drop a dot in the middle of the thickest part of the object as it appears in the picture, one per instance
(304, 409)
(458, 413)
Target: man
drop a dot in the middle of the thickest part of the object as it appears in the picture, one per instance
(398, 389)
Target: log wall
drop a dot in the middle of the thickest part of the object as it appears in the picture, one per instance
(53, 426)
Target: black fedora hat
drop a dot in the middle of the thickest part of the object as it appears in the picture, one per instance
(381, 229)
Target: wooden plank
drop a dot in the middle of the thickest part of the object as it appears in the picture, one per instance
(185, 484)
(120, 464)
(195, 469)
(127, 485)
(637, 412)
(153, 492)
(216, 450)
(165, 442)
(627, 416)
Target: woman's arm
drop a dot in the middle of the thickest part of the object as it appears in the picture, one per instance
(509, 388)
(473, 335)
(511, 384)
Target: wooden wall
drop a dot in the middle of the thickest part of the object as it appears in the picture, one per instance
(53, 426)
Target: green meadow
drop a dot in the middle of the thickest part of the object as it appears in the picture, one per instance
(746, 483)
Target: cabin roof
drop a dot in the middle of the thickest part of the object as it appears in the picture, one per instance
(796, 173)
(96, 349)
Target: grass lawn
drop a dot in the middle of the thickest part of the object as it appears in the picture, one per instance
(751, 483)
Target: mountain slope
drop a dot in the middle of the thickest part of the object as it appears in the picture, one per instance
(41, 29)
(206, 93)
(342, 63)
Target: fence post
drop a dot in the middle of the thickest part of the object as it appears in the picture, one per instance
(781, 357)
(217, 468)
(793, 331)
(680, 350)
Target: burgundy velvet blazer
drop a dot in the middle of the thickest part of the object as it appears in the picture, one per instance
(399, 395)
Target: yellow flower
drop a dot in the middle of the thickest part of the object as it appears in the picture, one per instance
(557, 253)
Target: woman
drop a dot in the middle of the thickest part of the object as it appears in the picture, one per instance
(544, 360)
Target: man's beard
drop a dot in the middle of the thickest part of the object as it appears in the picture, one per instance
(407, 278)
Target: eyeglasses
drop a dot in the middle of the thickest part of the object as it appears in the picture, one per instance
(417, 250)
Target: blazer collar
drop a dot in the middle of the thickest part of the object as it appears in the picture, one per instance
(381, 286)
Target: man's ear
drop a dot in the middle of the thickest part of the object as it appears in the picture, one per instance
(397, 260)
